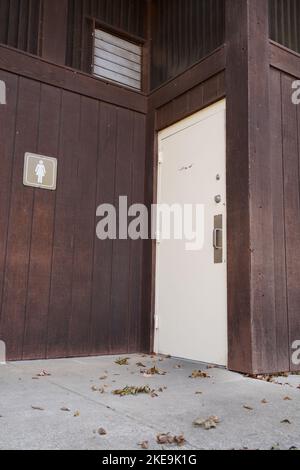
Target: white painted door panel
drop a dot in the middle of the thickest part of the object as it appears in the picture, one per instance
(191, 290)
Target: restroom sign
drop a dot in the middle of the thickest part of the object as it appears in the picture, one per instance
(40, 172)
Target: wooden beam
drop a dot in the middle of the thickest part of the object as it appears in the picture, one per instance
(29, 66)
(252, 316)
(54, 31)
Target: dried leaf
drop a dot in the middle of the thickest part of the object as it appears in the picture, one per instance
(247, 407)
(122, 361)
(199, 374)
(153, 371)
(76, 414)
(140, 364)
(169, 439)
(144, 445)
(44, 373)
(37, 408)
(286, 421)
(287, 399)
(104, 377)
(209, 423)
(102, 432)
(198, 393)
(264, 402)
(132, 391)
(65, 409)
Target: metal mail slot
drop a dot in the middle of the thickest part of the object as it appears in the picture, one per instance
(218, 239)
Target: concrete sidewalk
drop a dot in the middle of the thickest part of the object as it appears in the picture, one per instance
(253, 414)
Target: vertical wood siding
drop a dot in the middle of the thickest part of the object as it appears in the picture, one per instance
(62, 291)
(184, 31)
(285, 23)
(126, 15)
(285, 148)
(19, 24)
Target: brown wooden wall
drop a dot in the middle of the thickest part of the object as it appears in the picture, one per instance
(183, 32)
(285, 152)
(62, 291)
(128, 16)
(285, 23)
(20, 24)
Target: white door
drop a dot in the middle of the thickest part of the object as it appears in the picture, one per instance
(191, 286)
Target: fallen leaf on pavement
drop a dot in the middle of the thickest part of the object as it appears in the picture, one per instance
(37, 408)
(209, 423)
(76, 414)
(170, 439)
(102, 432)
(43, 373)
(104, 377)
(199, 374)
(286, 421)
(287, 399)
(247, 407)
(153, 371)
(122, 361)
(132, 391)
(144, 445)
(65, 409)
(264, 402)
(198, 393)
(140, 364)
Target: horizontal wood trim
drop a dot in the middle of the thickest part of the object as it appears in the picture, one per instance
(199, 97)
(26, 65)
(202, 71)
(284, 59)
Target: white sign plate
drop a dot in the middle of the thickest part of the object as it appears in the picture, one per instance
(40, 172)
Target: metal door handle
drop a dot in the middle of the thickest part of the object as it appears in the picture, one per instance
(218, 235)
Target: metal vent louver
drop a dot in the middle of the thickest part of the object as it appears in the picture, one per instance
(117, 60)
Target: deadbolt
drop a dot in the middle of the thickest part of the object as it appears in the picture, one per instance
(218, 199)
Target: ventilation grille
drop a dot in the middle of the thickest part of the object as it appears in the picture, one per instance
(117, 60)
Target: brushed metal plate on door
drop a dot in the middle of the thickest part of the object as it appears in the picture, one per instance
(218, 239)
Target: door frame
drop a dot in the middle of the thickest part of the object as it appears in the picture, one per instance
(157, 189)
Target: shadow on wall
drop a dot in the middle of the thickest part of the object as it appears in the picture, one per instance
(2, 353)
(2, 92)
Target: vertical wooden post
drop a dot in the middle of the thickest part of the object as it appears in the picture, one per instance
(252, 313)
(54, 31)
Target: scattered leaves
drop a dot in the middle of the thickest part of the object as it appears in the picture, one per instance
(199, 374)
(102, 432)
(169, 439)
(132, 391)
(144, 445)
(209, 423)
(268, 377)
(122, 361)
